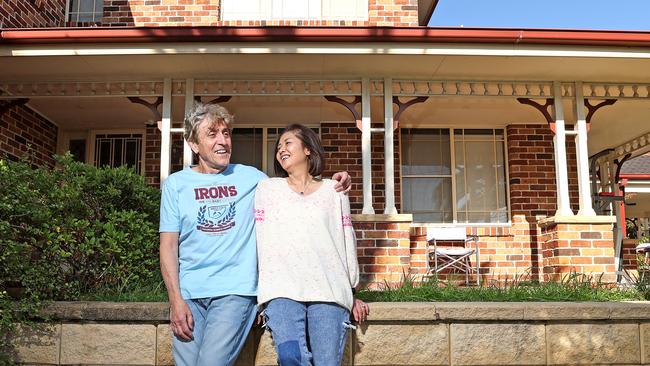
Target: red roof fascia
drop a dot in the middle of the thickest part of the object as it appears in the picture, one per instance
(326, 34)
(635, 176)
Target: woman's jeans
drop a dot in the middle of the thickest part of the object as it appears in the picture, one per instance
(307, 333)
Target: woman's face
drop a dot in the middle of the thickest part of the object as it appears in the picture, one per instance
(291, 152)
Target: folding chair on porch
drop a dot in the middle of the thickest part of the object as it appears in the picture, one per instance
(450, 257)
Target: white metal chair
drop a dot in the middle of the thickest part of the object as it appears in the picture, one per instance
(457, 258)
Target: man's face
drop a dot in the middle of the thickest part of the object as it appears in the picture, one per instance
(214, 145)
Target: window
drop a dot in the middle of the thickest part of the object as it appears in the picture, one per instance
(115, 150)
(247, 146)
(256, 147)
(294, 9)
(78, 149)
(85, 10)
(474, 191)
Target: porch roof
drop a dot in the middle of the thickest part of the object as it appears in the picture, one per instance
(141, 54)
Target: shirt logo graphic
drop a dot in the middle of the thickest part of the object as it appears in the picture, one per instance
(216, 219)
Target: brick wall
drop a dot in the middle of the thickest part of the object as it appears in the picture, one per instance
(630, 257)
(382, 249)
(342, 144)
(531, 166)
(123, 13)
(25, 133)
(398, 13)
(32, 13)
(577, 248)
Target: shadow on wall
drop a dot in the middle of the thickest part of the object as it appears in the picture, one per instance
(32, 14)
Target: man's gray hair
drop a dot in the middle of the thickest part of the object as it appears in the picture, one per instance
(201, 112)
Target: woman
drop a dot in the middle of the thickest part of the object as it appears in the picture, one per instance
(306, 254)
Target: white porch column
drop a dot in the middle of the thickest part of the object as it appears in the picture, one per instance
(189, 101)
(618, 228)
(561, 171)
(582, 154)
(389, 154)
(165, 138)
(365, 147)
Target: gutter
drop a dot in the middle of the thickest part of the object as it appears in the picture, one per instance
(327, 34)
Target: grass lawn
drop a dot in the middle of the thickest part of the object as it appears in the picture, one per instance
(574, 287)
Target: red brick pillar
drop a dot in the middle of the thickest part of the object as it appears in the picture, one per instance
(383, 248)
(580, 245)
(418, 238)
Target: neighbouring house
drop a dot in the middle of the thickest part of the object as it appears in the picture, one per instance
(517, 135)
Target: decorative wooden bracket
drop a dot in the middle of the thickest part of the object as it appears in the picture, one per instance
(619, 166)
(542, 109)
(153, 107)
(7, 105)
(217, 100)
(593, 108)
(349, 105)
(404, 106)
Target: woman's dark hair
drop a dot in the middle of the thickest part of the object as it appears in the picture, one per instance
(310, 140)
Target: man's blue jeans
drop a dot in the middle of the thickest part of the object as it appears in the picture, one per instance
(307, 333)
(221, 325)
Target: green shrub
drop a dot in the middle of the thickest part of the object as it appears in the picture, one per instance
(71, 231)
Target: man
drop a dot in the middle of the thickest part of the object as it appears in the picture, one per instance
(207, 244)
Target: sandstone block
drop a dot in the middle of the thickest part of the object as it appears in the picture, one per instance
(385, 344)
(265, 353)
(110, 344)
(567, 311)
(37, 344)
(164, 345)
(480, 311)
(571, 344)
(498, 344)
(645, 343)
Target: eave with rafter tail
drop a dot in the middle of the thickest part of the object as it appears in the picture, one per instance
(322, 87)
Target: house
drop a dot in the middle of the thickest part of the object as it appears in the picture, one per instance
(494, 130)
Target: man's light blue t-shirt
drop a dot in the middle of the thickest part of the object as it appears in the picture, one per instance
(213, 214)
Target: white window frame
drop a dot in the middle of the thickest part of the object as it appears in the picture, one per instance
(454, 203)
(68, 13)
(92, 136)
(271, 10)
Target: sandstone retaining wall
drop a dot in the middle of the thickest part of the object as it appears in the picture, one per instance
(396, 334)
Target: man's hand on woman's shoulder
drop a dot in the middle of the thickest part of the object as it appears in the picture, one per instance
(344, 182)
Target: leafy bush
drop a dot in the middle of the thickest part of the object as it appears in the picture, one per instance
(71, 231)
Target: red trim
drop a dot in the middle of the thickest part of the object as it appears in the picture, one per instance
(635, 176)
(326, 34)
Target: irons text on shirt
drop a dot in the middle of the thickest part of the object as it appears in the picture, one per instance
(214, 192)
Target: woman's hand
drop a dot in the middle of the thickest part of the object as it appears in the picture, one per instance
(360, 311)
